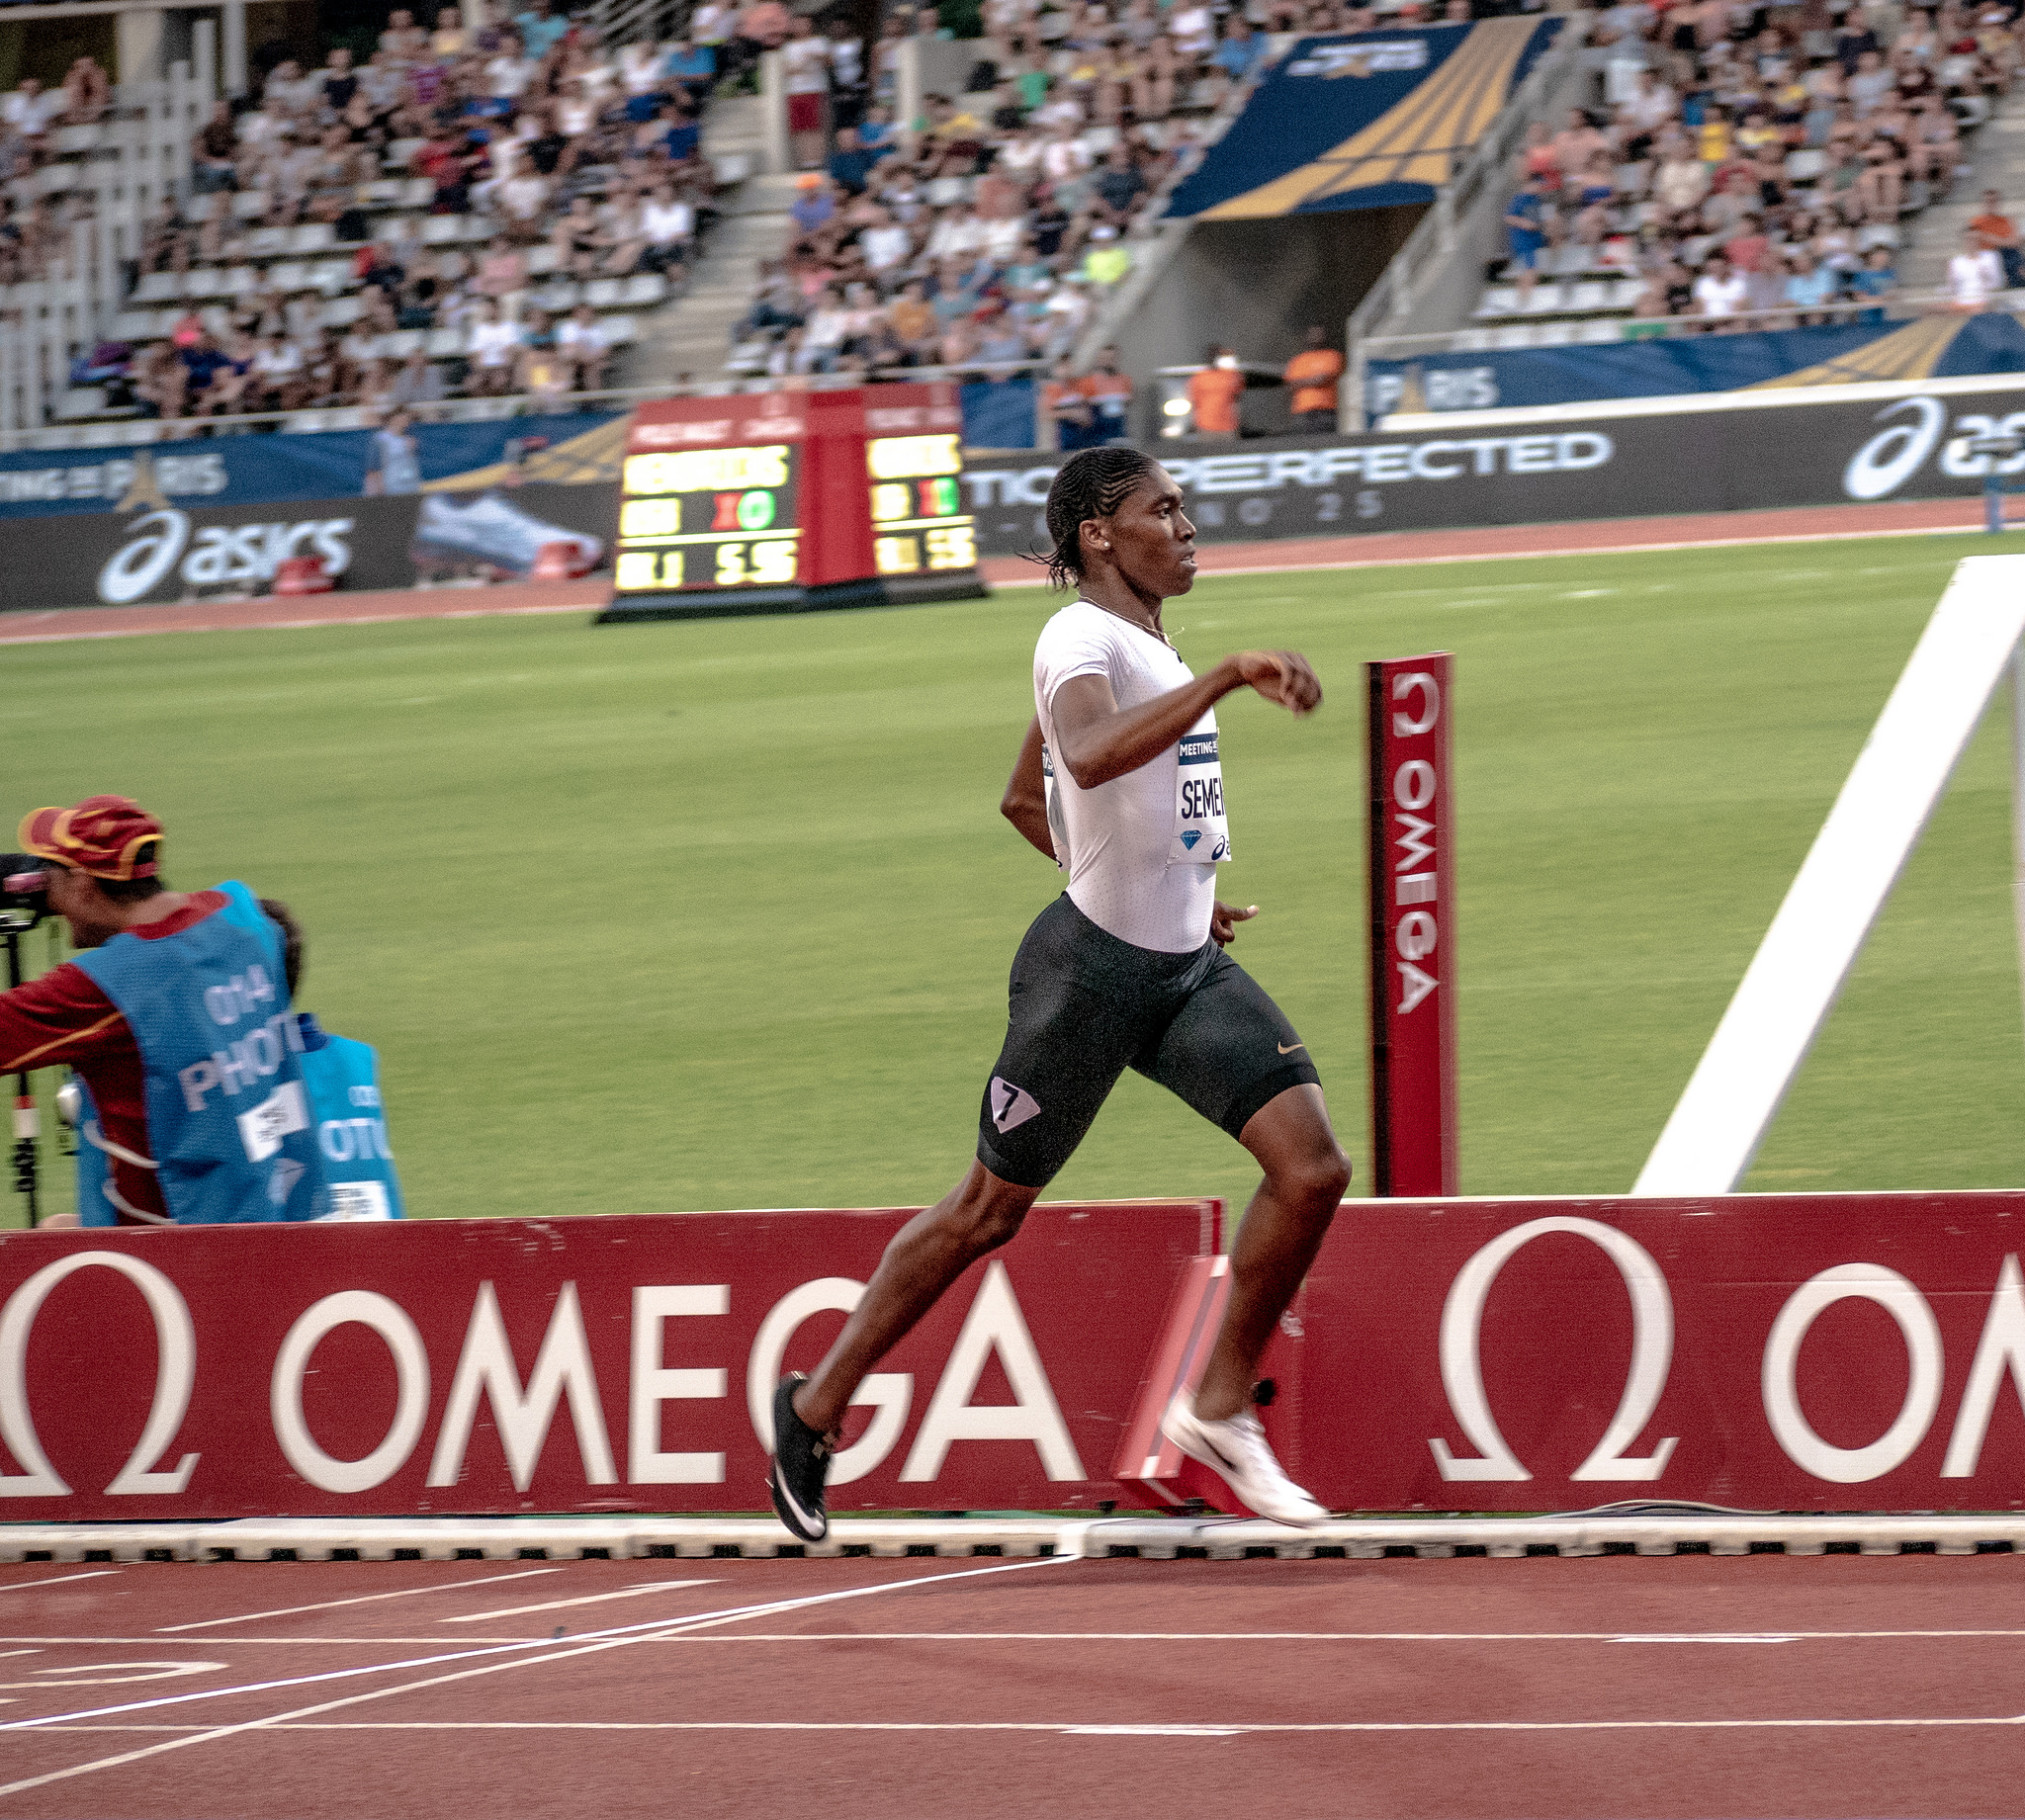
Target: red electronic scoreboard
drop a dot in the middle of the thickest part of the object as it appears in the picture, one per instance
(779, 501)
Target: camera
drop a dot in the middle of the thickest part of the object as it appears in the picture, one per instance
(23, 889)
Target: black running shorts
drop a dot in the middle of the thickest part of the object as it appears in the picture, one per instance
(1084, 1006)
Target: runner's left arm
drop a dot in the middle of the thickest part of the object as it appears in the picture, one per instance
(1025, 802)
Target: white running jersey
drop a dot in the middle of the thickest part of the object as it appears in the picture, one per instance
(1117, 842)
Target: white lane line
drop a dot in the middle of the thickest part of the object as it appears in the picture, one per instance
(156, 1671)
(435, 1640)
(618, 1637)
(559, 1604)
(364, 1599)
(1070, 1728)
(1329, 1636)
(25, 1586)
(1706, 1636)
(1109, 1636)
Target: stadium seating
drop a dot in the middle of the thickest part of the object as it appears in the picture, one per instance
(1795, 151)
(988, 237)
(353, 213)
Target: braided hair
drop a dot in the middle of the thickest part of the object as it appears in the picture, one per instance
(1092, 483)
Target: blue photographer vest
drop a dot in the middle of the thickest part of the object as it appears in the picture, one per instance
(228, 1108)
(94, 1175)
(343, 1078)
(242, 908)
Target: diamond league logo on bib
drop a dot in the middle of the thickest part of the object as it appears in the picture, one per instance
(1201, 834)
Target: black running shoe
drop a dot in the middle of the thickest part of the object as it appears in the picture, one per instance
(800, 1463)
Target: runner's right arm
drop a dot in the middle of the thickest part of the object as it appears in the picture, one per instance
(1025, 802)
(1100, 740)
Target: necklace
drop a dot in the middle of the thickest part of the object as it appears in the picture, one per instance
(1151, 630)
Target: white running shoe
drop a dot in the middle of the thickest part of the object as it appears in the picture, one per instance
(1236, 1450)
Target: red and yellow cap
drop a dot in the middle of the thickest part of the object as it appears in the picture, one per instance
(106, 836)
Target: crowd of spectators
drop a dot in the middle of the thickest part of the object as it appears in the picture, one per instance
(1752, 159)
(33, 237)
(562, 160)
(983, 234)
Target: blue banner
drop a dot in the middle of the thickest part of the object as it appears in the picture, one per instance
(1842, 353)
(998, 413)
(1369, 120)
(260, 468)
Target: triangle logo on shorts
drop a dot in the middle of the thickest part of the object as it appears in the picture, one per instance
(1011, 1106)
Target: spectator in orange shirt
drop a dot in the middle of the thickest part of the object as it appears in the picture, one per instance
(1213, 394)
(1313, 374)
(2000, 235)
(1109, 391)
(1066, 406)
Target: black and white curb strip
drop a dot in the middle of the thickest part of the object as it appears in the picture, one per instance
(1214, 1538)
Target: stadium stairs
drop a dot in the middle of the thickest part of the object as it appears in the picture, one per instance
(1257, 283)
(1997, 162)
(691, 335)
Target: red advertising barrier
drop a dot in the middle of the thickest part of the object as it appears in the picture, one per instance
(1802, 1352)
(579, 1364)
(1798, 1352)
(1410, 827)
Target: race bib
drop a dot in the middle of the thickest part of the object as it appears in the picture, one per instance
(1201, 834)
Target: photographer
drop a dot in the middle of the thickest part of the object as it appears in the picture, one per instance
(175, 1013)
(343, 1082)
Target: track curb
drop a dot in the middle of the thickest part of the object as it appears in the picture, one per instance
(1097, 1538)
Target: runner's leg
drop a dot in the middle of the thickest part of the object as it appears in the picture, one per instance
(929, 1254)
(1077, 1012)
(1232, 1055)
(1283, 1230)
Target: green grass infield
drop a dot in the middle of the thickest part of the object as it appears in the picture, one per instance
(718, 915)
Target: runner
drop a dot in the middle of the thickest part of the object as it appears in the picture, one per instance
(1118, 781)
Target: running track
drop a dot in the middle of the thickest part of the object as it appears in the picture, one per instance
(849, 1688)
(1904, 518)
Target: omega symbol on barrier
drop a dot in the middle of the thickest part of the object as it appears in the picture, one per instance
(1462, 1364)
(175, 1373)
